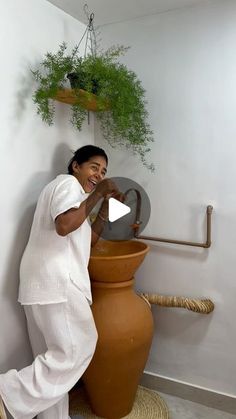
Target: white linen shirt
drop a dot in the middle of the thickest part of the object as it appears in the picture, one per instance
(51, 260)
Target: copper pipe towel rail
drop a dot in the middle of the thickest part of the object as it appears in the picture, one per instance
(205, 245)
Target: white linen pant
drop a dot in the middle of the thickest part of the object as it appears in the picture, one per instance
(63, 338)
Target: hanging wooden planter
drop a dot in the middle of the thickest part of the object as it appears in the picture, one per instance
(87, 100)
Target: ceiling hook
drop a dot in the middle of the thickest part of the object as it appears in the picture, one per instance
(90, 24)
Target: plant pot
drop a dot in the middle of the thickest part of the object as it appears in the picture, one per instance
(78, 81)
(87, 100)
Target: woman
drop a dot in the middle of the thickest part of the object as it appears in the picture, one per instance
(55, 289)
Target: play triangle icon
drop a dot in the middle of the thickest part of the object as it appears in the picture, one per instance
(116, 209)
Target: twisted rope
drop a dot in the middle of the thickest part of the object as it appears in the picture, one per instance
(204, 306)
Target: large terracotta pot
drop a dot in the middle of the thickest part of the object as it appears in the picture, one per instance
(113, 261)
(125, 328)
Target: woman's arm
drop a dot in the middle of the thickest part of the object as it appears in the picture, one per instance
(99, 223)
(102, 217)
(72, 219)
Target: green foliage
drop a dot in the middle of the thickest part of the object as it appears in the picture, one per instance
(51, 76)
(125, 123)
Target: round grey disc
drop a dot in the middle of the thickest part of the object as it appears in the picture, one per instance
(137, 200)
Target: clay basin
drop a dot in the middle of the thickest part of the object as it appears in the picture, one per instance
(116, 261)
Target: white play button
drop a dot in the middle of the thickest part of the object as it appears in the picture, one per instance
(116, 209)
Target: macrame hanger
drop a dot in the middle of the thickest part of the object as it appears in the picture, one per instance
(90, 34)
(90, 38)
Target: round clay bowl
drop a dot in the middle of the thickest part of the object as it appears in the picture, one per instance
(116, 261)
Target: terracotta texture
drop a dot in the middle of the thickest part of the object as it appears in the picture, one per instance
(125, 329)
(116, 261)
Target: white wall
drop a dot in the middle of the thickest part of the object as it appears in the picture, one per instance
(186, 60)
(31, 153)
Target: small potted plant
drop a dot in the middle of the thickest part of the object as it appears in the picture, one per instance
(120, 97)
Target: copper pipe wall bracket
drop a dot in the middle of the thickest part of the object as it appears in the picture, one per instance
(205, 245)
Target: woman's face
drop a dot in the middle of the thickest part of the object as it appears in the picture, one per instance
(90, 173)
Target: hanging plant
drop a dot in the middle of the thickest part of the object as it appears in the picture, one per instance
(120, 97)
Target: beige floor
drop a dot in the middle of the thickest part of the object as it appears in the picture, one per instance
(184, 409)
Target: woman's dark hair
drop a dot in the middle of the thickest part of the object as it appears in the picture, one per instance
(84, 154)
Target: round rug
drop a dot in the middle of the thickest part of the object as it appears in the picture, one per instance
(147, 405)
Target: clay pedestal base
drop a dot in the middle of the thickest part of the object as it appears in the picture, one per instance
(125, 329)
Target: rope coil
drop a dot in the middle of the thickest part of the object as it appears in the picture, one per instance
(204, 306)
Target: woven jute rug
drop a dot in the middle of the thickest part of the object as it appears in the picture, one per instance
(148, 405)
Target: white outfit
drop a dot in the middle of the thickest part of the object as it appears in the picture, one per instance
(50, 260)
(55, 291)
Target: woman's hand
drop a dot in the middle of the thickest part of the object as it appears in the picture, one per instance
(107, 188)
(119, 196)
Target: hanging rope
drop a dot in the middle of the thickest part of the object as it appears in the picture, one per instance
(90, 41)
(204, 306)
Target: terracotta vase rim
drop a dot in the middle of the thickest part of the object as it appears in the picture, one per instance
(124, 256)
(121, 284)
